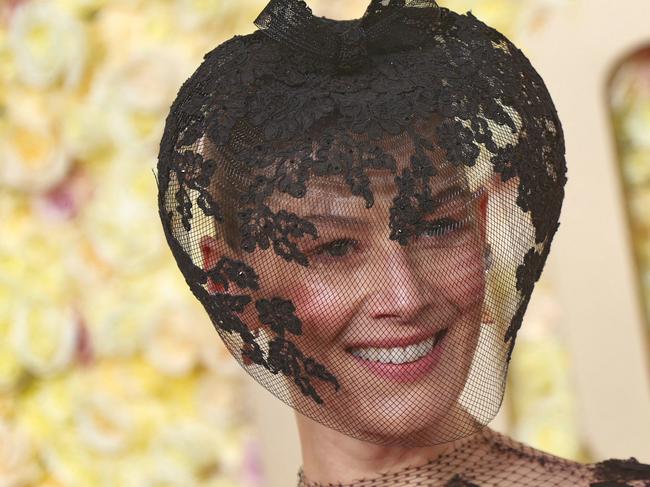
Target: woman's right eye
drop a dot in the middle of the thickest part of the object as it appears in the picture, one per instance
(334, 248)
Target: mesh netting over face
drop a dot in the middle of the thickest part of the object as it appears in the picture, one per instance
(363, 208)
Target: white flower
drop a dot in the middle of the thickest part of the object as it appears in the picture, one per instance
(550, 426)
(639, 201)
(18, 463)
(48, 45)
(84, 130)
(188, 442)
(635, 166)
(136, 93)
(83, 8)
(536, 14)
(121, 221)
(32, 157)
(40, 320)
(214, 354)
(196, 14)
(172, 344)
(636, 122)
(152, 472)
(44, 336)
(217, 401)
(102, 421)
(11, 370)
(118, 314)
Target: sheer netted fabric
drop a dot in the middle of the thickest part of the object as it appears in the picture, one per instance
(491, 459)
(363, 208)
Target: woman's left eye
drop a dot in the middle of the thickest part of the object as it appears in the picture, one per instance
(442, 226)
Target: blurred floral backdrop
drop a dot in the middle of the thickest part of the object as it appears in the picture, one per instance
(629, 98)
(110, 374)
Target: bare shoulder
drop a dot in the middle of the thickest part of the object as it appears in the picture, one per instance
(523, 465)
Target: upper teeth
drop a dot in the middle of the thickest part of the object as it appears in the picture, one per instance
(397, 355)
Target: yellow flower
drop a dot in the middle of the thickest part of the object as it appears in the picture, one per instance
(123, 26)
(48, 481)
(48, 45)
(102, 422)
(550, 426)
(135, 92)
(636, 124)
(7, 402)
(223, 482)
(640, 208)
(213, 352)
(120, 422)
(11, 370)
(217, 401)
(541, 392)
(33, 158)
(44, 336)
(8, 72)
(92, 420)
(18, 463)
(187, 442)
(121, 221)
(37, 316)
(84, 130)
(196, 14)
(118, 314)
(148, 472)
(635, 165)
(84, 8)
(172, 344)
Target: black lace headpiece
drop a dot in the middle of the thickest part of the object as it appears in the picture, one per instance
(363, 208)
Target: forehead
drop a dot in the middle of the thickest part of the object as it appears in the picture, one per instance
(333, 194)
(326, 197)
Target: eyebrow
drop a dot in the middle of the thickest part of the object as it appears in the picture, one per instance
(333, 219)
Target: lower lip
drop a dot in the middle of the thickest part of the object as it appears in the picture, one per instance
(408, 372)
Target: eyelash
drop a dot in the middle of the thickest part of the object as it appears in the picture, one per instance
(445, 225)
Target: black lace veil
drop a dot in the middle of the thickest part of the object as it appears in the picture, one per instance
(363, 208)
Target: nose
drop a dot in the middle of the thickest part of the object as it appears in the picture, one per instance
(397, 291)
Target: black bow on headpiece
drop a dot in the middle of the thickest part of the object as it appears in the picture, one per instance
(386, 25)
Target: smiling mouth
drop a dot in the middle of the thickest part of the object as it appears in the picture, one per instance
(400, 355)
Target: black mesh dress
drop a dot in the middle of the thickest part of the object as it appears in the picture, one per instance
(363, 208)
(491, 459)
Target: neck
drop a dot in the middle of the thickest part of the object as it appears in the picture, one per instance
(329, 456)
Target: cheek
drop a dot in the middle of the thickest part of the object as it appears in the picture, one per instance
(462, 280)
(324, 308)
(325, 304)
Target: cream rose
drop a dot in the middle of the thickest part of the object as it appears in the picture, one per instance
(18, 461)
(11, 370)
(44, 336)
(118, 314)
(32, 156)
(48, 45)
(172, 344)
(102, 421)
(218, 401)
(121, 221)
(136, 93)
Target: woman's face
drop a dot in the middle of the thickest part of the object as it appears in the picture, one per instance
(396, 325)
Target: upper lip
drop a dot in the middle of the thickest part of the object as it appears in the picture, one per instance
(396, 341)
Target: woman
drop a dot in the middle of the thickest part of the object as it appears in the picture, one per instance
(363, 207)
